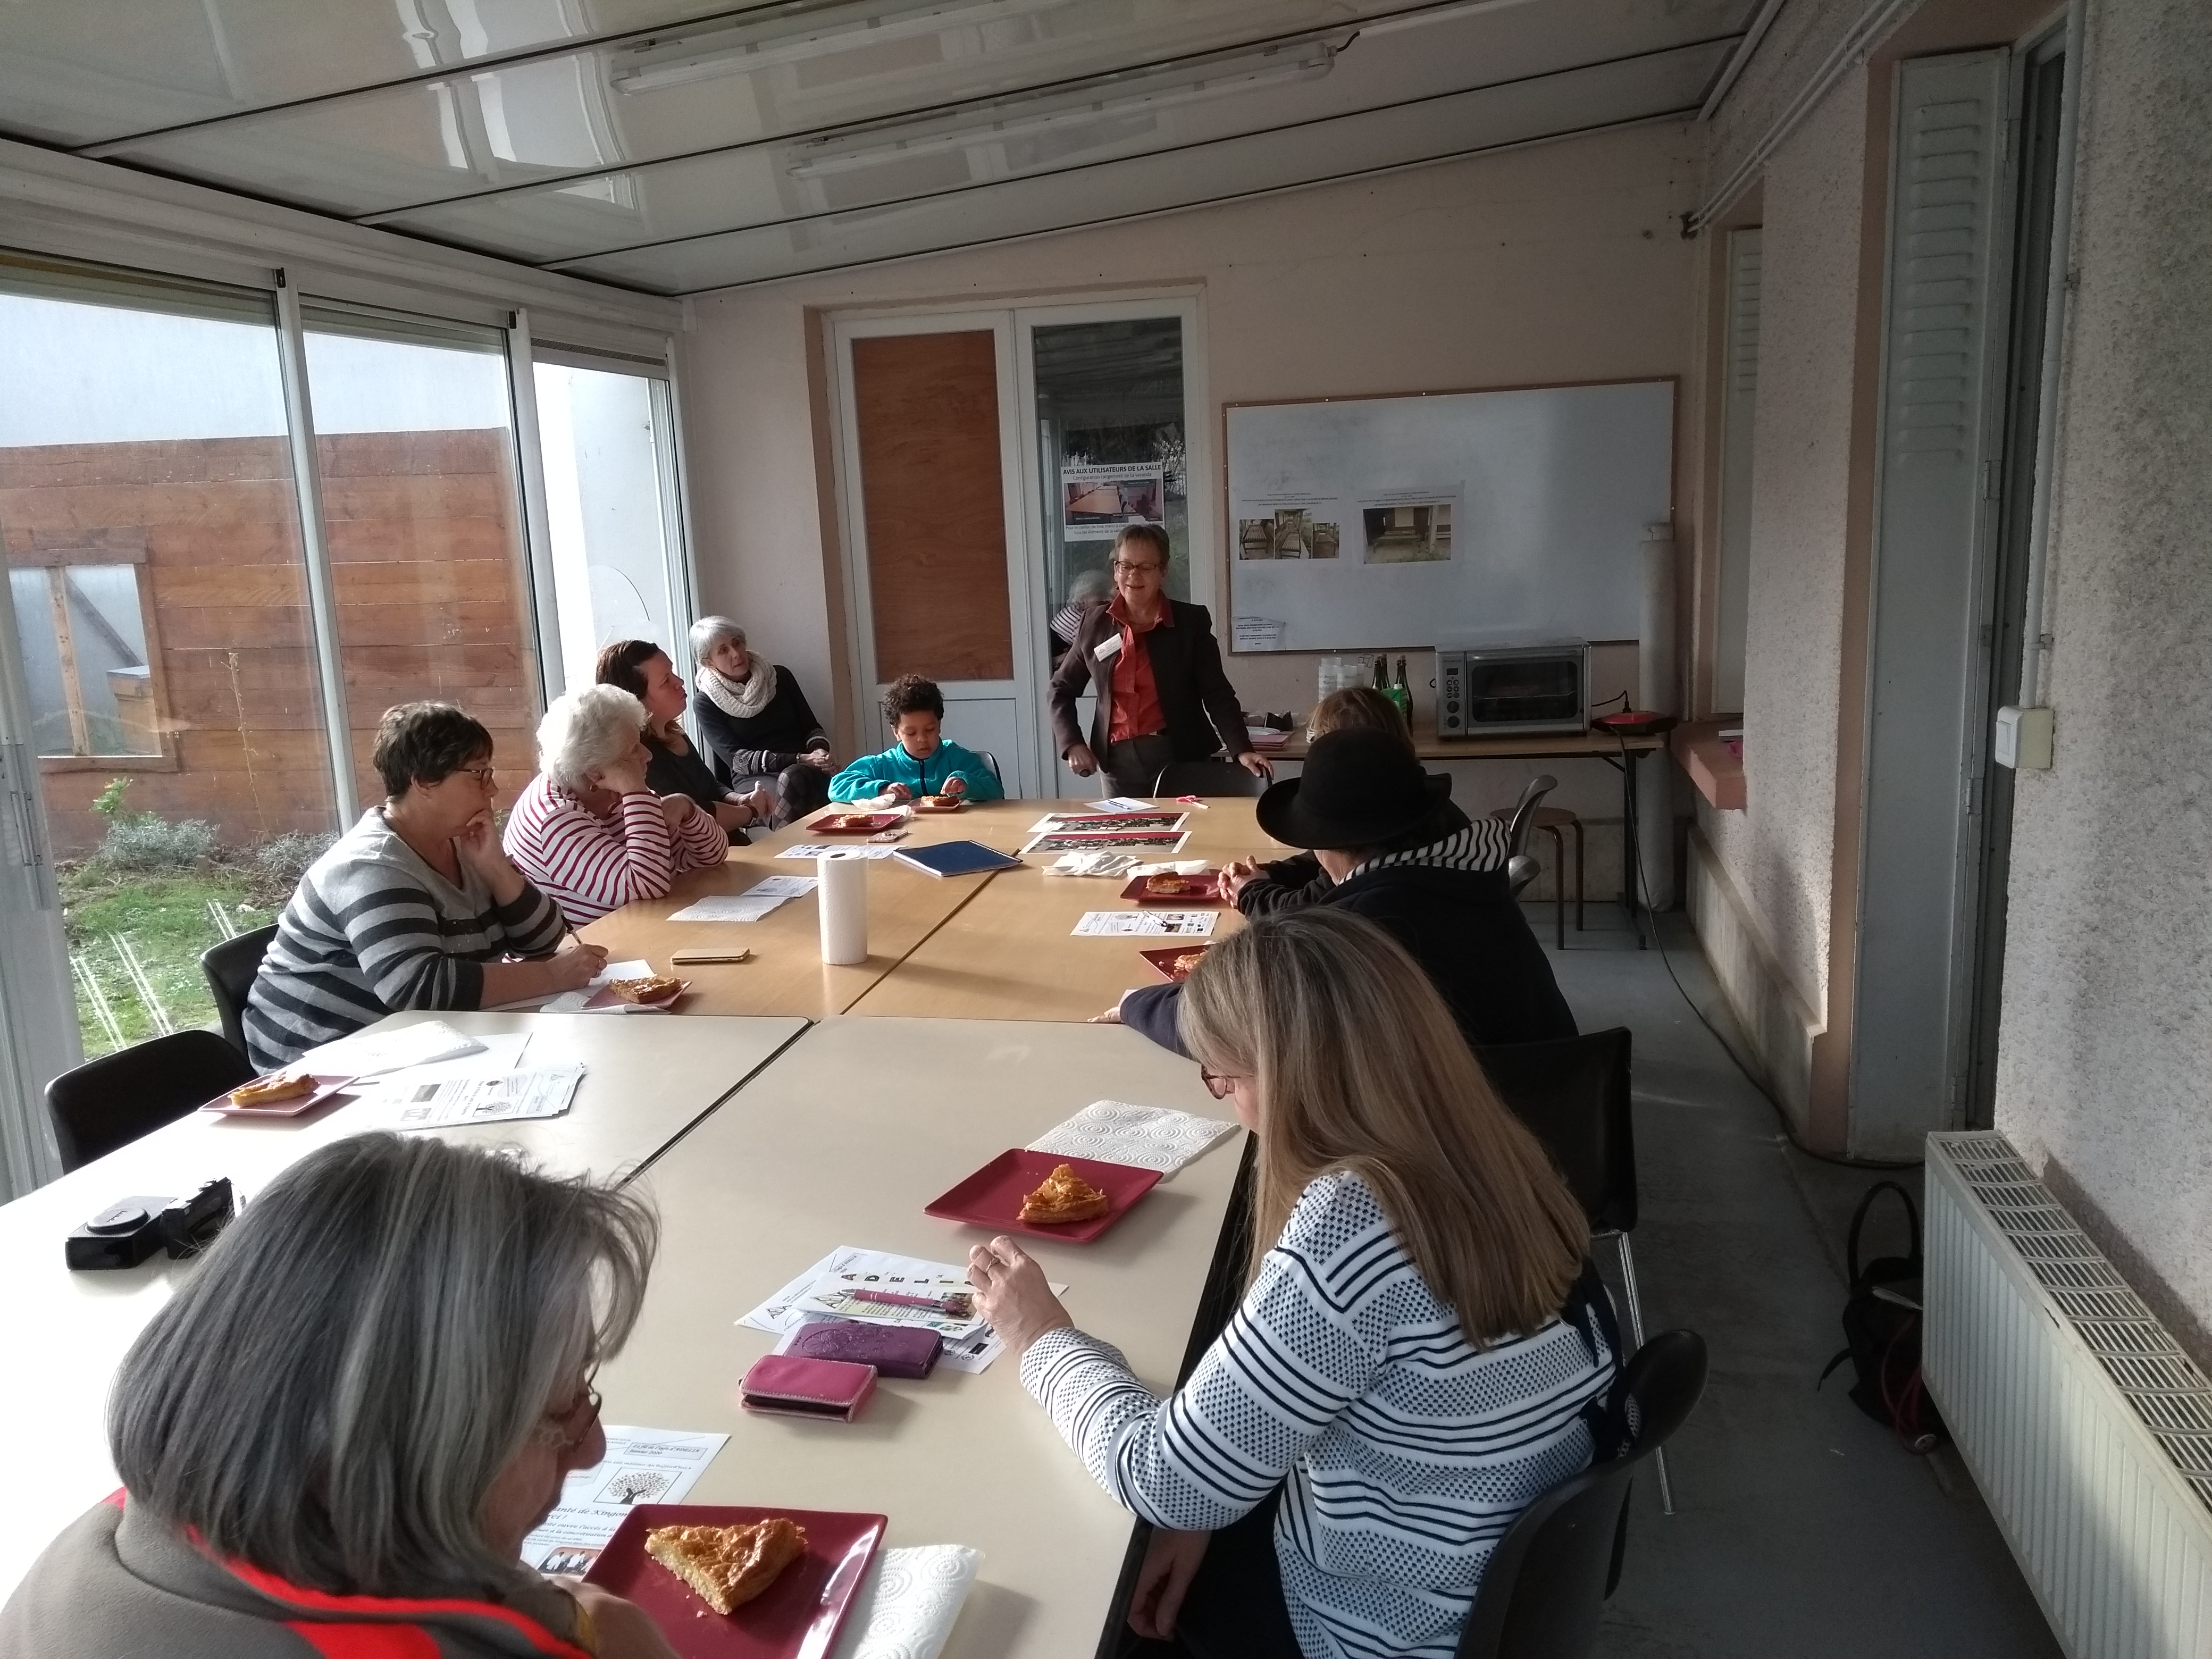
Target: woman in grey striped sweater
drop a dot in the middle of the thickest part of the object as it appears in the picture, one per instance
(416, 906)
(1422, 1349)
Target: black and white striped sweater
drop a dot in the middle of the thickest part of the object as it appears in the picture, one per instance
(372, 929)
(1408, 1451)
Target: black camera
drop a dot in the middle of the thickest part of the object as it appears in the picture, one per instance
(127, 1232)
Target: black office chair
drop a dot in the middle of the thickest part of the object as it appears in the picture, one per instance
(1547, 1582)
(992, 761)
(230, 968)
(110, 1101)
(1207, 777)
(1520, 868)
(1573, 1093)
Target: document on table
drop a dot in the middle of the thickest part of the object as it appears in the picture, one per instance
(495, 1097)
(1119, 924)
(643, 1466)
(819, 849)
(752, 905)
(1149, 1137)
(1105, 823)
(969, 1345)
(367, 1054)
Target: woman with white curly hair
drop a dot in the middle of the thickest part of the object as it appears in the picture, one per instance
(587, 830)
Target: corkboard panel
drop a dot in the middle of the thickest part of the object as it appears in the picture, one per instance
(927, 407)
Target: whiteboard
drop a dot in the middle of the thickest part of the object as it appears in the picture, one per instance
(1476, 517)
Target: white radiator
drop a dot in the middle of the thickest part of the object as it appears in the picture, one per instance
(2088, 1429)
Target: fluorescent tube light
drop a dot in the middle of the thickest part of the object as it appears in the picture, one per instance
(674, 60)
(1016, 117)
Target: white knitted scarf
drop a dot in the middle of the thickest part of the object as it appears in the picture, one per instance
(741, 699)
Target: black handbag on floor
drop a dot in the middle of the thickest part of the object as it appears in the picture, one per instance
(1882, 1325)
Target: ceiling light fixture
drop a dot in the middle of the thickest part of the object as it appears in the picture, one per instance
(664, 61)
(1017, 117)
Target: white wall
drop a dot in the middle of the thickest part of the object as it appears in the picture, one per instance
(1561, 262)
(2106, 1053)
(1779, 852)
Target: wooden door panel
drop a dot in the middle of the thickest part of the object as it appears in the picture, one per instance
(926, 407)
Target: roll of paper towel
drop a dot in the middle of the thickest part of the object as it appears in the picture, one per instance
(842, 890)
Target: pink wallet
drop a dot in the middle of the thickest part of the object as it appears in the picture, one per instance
(793, 1385)
(904, 1351)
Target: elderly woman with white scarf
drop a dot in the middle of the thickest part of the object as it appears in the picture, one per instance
(755, 721)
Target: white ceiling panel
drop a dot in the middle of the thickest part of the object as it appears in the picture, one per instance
(674, 145)
(75, 72)
(775, 180)
(454, 135)
(1571, 101)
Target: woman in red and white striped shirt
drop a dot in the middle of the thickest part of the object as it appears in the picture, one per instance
(586, 830)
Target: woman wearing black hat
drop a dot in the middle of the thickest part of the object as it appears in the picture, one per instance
(1381, 829)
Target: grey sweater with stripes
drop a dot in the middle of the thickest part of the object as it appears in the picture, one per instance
(372, 929)
(1408, 1451)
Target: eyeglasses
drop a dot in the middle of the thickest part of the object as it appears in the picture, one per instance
(571, 1426)
(482, 774)
(1219, 1087)
(1123, 567)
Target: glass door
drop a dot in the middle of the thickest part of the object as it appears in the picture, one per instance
(612, 513)
(1111, 440)
(164, 734)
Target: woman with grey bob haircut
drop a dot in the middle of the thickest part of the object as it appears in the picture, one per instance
(355, 1411)
(756, 722)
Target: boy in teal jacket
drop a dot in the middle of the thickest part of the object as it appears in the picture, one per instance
(923, 762)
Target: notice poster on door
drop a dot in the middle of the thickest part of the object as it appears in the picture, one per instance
(1096, 501)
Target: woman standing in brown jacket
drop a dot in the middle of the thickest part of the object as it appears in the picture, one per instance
(1156, 668)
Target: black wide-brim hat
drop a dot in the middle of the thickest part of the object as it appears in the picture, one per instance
(1361, 788)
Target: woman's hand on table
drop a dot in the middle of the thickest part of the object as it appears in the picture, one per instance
(762, 802)
(1012, 1291)
(676, 809)
(1080, 761)
(1171, 1561)
(1234, 874)
(575, 965)
(1112, 1016)
(623, 1629)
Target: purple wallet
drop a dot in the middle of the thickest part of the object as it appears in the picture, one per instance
(794, 1385)
(906, 1351)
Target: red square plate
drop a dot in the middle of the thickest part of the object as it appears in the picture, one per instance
(796, 1617)
(325, 1087)
(1204, 889)
(992, 1197)
(1164, 962)
(951, 803)
(856, 824)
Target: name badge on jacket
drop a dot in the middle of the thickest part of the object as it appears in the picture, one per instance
(1107, 649)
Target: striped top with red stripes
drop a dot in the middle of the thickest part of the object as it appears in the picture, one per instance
(591, 864)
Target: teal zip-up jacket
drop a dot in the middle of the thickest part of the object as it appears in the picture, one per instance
(870, 775)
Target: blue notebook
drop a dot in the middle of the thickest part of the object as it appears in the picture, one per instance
(956, 858)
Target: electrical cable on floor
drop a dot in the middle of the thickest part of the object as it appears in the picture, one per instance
(1643, 886)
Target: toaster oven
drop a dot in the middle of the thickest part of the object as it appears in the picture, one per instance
(1485, 691)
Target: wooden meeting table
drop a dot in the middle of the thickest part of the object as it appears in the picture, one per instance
(966, 947)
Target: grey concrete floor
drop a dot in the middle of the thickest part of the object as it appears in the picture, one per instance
(1802, 1529)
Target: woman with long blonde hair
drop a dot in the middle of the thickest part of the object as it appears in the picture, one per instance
(1422, 1348)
